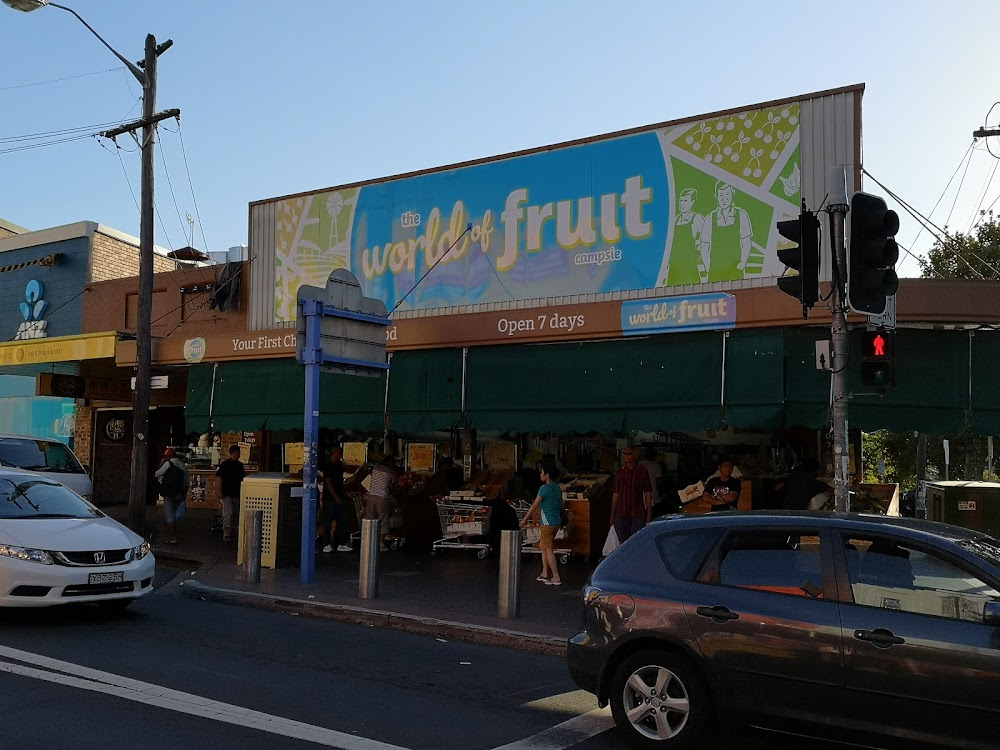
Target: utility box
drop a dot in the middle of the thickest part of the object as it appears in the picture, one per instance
(271, 492)
(973, 505)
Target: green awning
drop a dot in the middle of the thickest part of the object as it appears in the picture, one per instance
(807, 389)
(755, 379)
(270, 394)
(986, 382)
(932, 385)
(425, 390)
(669, 382)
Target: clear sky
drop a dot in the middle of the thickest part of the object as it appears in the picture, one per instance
(286, 96)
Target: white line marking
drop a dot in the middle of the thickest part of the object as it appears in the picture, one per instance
(567, 734)
(74, 675)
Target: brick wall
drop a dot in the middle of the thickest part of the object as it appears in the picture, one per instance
(83, 436)
(112, 258)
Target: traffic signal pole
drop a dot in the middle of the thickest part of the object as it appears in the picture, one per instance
(839, 349)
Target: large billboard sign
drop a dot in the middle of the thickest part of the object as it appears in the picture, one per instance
(673, 206)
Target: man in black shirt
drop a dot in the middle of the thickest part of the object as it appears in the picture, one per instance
(723, 492)
(335, 504)
(231, 474)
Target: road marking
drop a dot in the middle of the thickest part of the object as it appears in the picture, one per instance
(566, 734)
(85, 678)
(558, 737)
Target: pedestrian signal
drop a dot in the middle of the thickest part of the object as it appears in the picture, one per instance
(878, 360)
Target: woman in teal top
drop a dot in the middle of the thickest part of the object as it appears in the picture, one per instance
(549, 504)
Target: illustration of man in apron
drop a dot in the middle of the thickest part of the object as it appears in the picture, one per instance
(726, 237)
(686, 259)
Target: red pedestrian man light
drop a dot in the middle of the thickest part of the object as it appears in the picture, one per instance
(878, 360)
(879, 344)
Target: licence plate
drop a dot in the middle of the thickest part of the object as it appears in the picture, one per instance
(118, 577)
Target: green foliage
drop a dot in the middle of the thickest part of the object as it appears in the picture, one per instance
(899, 451)
(966, 256)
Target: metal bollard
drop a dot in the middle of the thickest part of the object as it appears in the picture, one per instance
(368, 577)
(510, 574)
(253, 539)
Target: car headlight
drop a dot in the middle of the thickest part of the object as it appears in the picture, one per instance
(26, 553)
(141, 551)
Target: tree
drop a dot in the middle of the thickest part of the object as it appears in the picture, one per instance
(966, 256)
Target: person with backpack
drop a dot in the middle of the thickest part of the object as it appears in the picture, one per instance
(173, 477)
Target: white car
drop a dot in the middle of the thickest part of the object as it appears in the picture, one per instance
(57, 548)
(47, 457)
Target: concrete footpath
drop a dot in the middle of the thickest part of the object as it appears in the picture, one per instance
(452, 596)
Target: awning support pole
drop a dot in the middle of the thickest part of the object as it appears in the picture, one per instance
(312, 358)
(722, 395)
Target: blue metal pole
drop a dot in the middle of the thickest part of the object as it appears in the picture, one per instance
(312, 356)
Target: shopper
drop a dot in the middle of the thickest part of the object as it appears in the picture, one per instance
(335, 504)
(632, 497)
(378, 505)
(174, 479)
(548, 503)
(231, 473)
(723, 492)
(652, 465)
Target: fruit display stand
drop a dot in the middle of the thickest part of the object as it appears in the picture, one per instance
(581, 493)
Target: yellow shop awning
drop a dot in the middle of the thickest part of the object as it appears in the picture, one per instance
(59, 349)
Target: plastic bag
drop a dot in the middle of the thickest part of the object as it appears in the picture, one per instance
(180, 511)
(611, 543)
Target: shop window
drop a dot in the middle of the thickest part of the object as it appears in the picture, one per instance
(775, 561)
(889, 575)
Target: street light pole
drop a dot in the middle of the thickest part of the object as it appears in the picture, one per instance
(146, 75)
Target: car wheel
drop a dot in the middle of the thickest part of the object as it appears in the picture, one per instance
(659, 701)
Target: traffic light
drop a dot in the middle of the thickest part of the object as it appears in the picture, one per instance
(804, 258)
(878, 360)
(872, 254)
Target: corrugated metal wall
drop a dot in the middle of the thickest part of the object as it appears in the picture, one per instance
(830, 136)
(262, 239)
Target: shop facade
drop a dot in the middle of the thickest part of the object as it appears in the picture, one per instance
(621, 286)
(43, 284)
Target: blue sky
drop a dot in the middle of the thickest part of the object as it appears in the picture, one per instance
(284, 97)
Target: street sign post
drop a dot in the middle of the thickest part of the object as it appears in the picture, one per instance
(338, 330)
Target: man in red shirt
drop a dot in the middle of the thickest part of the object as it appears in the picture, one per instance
(632, 500)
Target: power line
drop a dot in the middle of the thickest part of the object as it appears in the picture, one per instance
(937, 235)
(958, 190)
(29, 147)
(968, 151)
(971, 223)
(201, 225)
(86, 129)
(170, 184)
(60, 80)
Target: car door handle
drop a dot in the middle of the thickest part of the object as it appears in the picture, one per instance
(717, 614)
(880, 637)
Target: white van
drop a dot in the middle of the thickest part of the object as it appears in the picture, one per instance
(47, 457)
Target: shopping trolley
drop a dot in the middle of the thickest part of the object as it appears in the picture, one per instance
(460, 522)
(531, 534)
(396, 520)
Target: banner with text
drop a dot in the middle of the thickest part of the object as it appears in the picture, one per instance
(681, 205)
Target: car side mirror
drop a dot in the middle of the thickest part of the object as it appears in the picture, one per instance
(991, 613)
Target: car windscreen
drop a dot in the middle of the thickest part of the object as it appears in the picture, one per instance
(39, 498)
(38, 455)
(983, 547)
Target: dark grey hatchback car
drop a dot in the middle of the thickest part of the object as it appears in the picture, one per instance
(868, 629)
